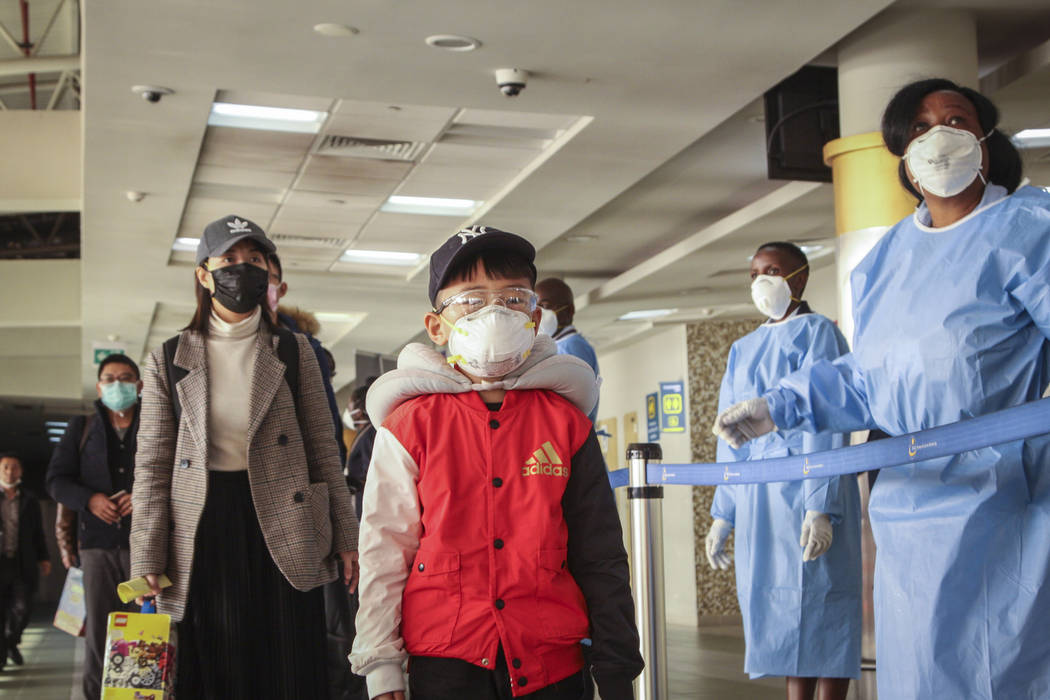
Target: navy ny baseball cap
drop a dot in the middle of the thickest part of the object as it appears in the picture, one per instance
(221, 235)
(471, 241)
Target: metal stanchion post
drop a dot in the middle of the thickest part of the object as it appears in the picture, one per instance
(647, 570)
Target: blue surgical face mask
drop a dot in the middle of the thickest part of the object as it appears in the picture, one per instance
(119, 396)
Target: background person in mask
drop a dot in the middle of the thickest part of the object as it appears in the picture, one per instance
(241, 501)
(798, 563)
(91, 472)
(299, 321)
(490, 540)
(952, 316)
(364, 438)
(558, 310)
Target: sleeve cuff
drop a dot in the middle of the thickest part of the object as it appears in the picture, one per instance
(615, 687)
(780, 410)
(385, 678)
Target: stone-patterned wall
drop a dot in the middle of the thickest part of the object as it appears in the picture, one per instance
(708, 347)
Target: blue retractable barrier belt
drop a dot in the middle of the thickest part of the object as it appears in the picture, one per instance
(1017, 423)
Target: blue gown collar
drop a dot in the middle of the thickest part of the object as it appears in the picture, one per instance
(993, 194)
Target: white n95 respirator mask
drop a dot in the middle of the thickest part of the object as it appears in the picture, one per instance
(491, 342)
(772, 294)
(944, 161)
(548, 322)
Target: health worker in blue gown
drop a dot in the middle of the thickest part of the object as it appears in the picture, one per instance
(952, 313)
(798, 561)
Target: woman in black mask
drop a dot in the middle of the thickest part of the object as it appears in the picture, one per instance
(239, 496)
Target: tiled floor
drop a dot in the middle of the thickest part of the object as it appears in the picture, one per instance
(704, 664)
(52, 658)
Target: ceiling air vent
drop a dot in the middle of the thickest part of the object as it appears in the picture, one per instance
(380, 149)
(288, 239)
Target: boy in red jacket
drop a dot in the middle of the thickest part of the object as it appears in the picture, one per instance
(491, 550)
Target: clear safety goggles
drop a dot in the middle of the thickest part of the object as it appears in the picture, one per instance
(513, 298)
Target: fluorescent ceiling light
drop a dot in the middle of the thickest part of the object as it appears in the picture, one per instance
(436, 206)
(380, 257)
(646, 314)
(300, 121)
(1033, 138)
(54, 439)
(56, 423)
(337, 317)
(186, 245)
(56, 431)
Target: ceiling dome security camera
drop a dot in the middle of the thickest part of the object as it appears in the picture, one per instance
(511, 81)
(152, 93)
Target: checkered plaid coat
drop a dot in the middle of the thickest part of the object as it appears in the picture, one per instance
(302, 500)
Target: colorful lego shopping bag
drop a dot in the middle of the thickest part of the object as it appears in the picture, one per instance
(140, 657)
(72, 609)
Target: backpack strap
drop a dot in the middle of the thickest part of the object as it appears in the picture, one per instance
(288, 353)
(88, 421)
(175, 375)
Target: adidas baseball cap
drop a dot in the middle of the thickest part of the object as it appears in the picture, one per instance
(221, 235)
(471, 241)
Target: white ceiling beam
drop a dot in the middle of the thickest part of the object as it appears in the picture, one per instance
(761, 207)
(39, 64)
(1017, 68)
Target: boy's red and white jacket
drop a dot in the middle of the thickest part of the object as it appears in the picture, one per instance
(487, 528)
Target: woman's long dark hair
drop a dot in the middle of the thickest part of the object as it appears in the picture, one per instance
(1004, 162)
(202, 316)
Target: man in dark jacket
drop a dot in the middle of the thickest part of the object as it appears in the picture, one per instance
(91, 471)
(23, 556)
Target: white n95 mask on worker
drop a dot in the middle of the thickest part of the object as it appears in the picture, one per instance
(491, 342)
(772, 294)
(944, 161)
(548, 322)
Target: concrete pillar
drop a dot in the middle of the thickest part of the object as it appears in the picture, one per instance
(893, 49)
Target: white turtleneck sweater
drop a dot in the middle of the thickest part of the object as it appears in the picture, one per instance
(231, 364)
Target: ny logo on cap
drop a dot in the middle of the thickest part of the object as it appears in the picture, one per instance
(469, 234)
(238, 226)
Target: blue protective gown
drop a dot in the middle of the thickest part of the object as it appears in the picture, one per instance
(570, 342)
(951, 323)
(800, 619)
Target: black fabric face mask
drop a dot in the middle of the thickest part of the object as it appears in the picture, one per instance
(241, 287)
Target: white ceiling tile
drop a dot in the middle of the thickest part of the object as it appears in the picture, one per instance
(334, 201)
(306, 265)
(249, 177)
(524, 120)
(455, 182)
(307, 255)
(356, 167)
(347, 185)
(200, 212)
(287, 224)
(379, 121)
(255, 149)
(479, 156)
(240, 193)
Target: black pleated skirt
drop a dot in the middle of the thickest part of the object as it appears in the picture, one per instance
(247, 633)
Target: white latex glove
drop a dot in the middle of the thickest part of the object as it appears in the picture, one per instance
(816, 535)
(744, 421)
(717, 556)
